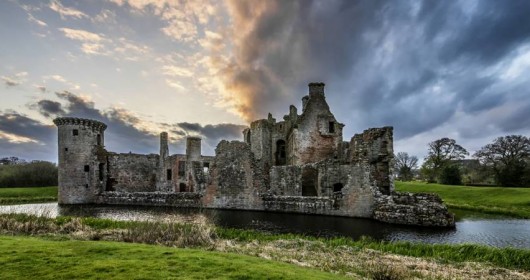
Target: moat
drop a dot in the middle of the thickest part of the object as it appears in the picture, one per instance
(479, 229)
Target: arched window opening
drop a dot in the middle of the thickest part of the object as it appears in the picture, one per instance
(98, 139)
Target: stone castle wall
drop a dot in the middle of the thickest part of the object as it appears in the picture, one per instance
(298, 165)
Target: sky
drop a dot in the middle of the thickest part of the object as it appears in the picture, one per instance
(431, 69)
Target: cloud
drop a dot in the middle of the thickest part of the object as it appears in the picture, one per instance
(32, 19)
(50, 108)
(128, 131)
(410, 64)
(66, 12)
(183, 19)
(81, 35)
(17, 128)
(14, 80)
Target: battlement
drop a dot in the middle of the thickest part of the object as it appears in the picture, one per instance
(96, 125)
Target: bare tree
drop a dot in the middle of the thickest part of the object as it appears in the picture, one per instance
(508, 157)
(405, 164)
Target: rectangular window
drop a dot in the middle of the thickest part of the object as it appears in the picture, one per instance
(66, 149)
(169, 175)
(182, 168)
(331, 128)
(75, 132)
(206, 167)
(87, 168)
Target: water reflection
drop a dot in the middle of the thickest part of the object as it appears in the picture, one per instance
(493, 232)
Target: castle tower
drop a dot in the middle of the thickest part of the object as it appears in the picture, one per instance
(165, 173)
(81, 173)
(193, 148)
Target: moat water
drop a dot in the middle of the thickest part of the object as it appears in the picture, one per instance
(470, 228)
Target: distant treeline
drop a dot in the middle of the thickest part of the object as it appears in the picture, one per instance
(19, 173)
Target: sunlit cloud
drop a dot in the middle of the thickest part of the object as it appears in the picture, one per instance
(16, 139)
(66, 12)
(14, 80)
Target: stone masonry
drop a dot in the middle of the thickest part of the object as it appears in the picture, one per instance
(299, 165)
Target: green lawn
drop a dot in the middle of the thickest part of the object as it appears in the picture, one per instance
(34, 258)
(495, 200)
(27, 195)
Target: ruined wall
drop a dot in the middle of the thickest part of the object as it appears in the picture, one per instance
(375, 147)
(420, 209)
(286, 180)
(151, 199)
(237, 179)
(133, 172)
(318, 135)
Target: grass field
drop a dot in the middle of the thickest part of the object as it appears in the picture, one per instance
(495, 200)
(34, 258)
(27, 195)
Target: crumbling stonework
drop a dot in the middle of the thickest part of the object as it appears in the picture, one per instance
(299, 165)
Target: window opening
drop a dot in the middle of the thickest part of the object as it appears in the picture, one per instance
(281, 155)
(87, 168)
(337, 187)
(331, 128)
(168, 175)
(75, 132)
(100, 170)
(206, 167)
(182, 187)
(98, 138)
(66, 149)
(182, 168)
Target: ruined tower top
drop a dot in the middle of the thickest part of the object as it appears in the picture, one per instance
(316, 89)
(93, 124)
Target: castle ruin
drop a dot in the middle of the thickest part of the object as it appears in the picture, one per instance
(299, 165)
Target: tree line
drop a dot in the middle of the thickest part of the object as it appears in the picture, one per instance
(504, 162)
(15, 172)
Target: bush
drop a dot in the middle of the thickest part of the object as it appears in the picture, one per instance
(451, 175)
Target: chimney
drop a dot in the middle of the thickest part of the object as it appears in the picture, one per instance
(316, 89)
(164, 150)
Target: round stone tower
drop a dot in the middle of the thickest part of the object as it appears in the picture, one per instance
(193, 148)
(81, 173)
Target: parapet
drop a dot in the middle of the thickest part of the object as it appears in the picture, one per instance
(96, 125)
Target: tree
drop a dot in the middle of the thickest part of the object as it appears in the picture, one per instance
(441, 153)
(451, 175)
(509, 158)
(405, 164)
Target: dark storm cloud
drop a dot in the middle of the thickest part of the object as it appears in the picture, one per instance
(410, 64)
(17, 124)
(211, 134)
(50, 108)
(123, 133)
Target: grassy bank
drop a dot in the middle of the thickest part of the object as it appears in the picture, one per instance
(34, 258)
(494, 200)
(337, 255)
(27, 195)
